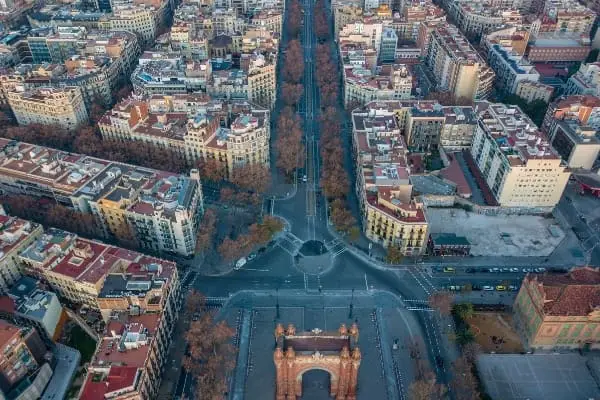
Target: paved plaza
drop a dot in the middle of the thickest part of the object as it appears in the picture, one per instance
(537, 377)
(384, 372)
(506, 235)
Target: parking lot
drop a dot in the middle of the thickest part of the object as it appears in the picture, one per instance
(503, 235)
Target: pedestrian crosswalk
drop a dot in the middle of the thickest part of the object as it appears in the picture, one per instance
(290, 243)
(335, 247)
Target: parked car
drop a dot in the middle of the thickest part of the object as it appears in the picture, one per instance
(449, 270)
(494, 269)
(505, 269)
(513, 288)
(540, 270)
(251, 256)
(304, 178)
(514, 270)
(527, 270)
(488, 288)
(500, 288)
(240, 263)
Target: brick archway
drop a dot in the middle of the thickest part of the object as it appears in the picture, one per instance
(334, 352)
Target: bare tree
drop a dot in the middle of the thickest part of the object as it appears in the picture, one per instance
(291, 93)
(464, 384)
(211, 355)
(441, 301)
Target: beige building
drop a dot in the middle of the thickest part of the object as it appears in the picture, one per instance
(572, 124)
(63, 107)
(391, 216)
(345, 13)
(560, 311)
(362, 85)
(140, 19)
(151, 209)
(532, 91)
(15, 235)
(515, 159)
(459, 126)
(457, 66)
(261, 79)
(192, 128)
(270, 20)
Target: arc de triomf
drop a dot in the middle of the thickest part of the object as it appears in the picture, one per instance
(334, 352)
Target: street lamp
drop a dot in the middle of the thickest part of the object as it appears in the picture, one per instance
(277, 304)
(351, 305)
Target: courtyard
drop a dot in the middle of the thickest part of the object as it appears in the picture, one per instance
(495, 332)
(503, 235)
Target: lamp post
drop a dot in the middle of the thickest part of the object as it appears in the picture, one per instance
(351, 305)
(277, 304)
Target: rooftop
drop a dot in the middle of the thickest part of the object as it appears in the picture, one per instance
(514, 133)
(13, 231)
(576, 293)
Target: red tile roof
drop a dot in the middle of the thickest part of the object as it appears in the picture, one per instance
(575, 294)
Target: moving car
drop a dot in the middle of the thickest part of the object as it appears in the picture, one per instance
(304, 178)
(449, 269)
(251, 256)
(240, 263)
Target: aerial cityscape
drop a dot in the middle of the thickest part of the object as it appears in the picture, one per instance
(299, 200)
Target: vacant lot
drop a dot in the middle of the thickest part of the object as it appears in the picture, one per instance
(512, 235)
(495, 333)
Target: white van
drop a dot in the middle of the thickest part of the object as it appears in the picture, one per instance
(240, 263)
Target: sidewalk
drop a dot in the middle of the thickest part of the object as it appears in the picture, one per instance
(173, 368)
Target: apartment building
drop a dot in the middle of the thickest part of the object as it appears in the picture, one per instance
(533, 91)
(510, 68)
(55, 45)
(586, 81)
(78, 268)
(368, 32)
(572, 124)
(133, 351)
(34, 307)
(560, 311)
(365, 81)
(62, 107)
(15, 235)
(514, 38)
(424, 126)
(391, 216)
(137, 18)
(270, 20)
(459, 126)
(156, 210)
(197, 128)
(345, 13)
(458, 68)
(261, 77)
(407, 22)
(24, 362)
(515, 159)
(478, 17)
(165, 73)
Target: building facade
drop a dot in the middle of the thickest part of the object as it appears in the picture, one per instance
(560, 311)
(62, 107)
(572, 124)
(391, 216)
(516, 160)
(16, 235)
(458, 68)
